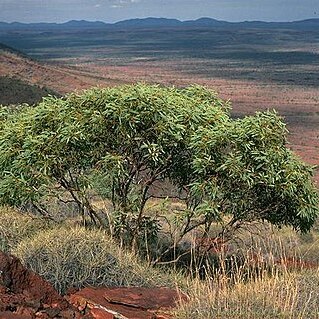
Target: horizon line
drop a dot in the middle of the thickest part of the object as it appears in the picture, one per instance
(153, 17)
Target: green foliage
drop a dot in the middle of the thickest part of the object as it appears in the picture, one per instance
(246, 171)
(131, 136)
(118, 142)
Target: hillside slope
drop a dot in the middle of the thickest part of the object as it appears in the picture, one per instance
(17, 71)
(15, 91)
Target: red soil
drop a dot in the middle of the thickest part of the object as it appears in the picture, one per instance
(59, 79)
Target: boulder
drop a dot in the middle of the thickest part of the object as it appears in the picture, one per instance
(128, 302)
(26, 295)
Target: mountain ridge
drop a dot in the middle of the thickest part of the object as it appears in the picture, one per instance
(150, 22)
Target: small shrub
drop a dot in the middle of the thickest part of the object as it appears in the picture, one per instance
(78, 257)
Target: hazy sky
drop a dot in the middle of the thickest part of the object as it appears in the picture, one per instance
(115, 10)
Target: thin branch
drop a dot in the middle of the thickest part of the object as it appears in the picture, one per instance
(167, 197)
(44, 212)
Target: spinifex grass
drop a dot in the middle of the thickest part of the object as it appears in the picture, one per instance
(253, 289)
(78, 257)
(15, 227)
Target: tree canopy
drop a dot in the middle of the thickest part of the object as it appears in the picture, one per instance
(118, 142)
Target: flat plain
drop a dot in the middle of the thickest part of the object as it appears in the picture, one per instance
(256, 69)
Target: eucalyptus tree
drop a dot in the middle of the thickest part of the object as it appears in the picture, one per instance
(119, 142)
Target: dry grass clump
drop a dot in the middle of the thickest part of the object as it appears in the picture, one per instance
(265, 239)
(276, 277)
(78, 257)
(281, 295)
(16, 226)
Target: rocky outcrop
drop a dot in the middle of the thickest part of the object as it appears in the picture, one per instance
(25, 295)
(128, 303)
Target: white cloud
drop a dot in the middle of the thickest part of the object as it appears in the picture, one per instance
(123, 3)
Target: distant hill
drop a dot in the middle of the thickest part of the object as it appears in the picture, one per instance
(161, 23)
(207, 22)
(149, 22)
(16, 91)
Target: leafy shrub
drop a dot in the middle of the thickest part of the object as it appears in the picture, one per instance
(121, 142)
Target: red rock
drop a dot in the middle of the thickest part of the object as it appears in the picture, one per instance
(71, 291)
(101, 314)
(18, 279)
(70, 314)
(42, 315)
(26, 311)
(52, 312)
(3, 289)
(30, 296)
(11, 315)
(144, 298)
(133, 302)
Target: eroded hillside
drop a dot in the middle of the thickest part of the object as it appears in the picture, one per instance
(57, 79)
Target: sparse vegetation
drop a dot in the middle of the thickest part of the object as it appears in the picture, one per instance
(276, 55)
(77, 257)
(16, 227)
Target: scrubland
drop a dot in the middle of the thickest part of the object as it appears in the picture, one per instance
(264, 272)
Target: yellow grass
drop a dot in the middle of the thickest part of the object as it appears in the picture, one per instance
(279, 295)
